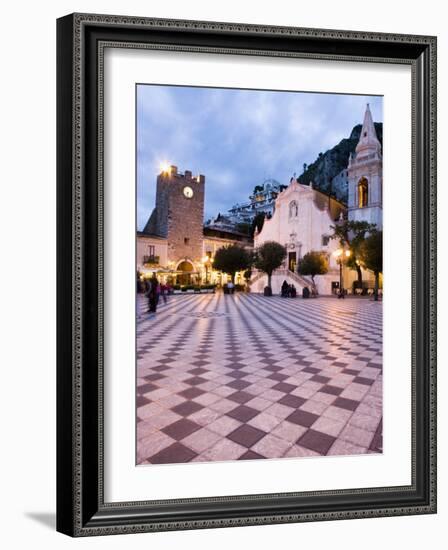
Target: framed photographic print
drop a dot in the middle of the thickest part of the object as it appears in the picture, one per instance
(246, 274)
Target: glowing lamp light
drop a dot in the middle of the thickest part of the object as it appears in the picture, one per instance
(205, 259)
(338, 253)
(165, 168)
(347, 253)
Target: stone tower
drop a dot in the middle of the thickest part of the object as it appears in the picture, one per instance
(178, 216)
(365, 176)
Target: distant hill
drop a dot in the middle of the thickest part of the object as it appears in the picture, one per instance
(332, 162)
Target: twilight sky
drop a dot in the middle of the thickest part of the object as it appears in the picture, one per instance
(236, 138)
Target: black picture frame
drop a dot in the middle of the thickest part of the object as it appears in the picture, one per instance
(81, 510)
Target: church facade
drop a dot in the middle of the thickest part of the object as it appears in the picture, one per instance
(301, 222)
(303, 218)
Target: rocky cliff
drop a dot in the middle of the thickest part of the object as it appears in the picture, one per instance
(329, 164)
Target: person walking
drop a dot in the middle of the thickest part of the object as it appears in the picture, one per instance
(153, 294)
(164, 291)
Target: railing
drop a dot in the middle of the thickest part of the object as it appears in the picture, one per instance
(299, 279)
(151, 259)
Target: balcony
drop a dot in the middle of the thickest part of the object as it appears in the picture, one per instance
(151, 260)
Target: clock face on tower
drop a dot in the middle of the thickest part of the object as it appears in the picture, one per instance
(188, 192)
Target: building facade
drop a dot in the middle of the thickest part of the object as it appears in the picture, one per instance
(365, 176)
(262, 200)
(302, 223)
(174, 242)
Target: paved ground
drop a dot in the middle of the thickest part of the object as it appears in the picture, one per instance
(246, 377)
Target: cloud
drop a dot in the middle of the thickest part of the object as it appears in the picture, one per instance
(236, 138)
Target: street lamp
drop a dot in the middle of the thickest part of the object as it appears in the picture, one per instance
(341, 255)
(206, 262)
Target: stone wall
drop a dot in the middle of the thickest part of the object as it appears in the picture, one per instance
(179, 218)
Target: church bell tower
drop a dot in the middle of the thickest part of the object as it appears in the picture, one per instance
(365, 176)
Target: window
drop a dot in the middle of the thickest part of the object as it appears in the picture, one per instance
(186, 240)
(363, 192)
(151, 250)
(293, 209)
(325, 240)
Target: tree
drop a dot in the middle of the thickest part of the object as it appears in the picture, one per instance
(244, 227)
(312, 264)
(352, 234)
(232, 258)
(257, 222)
(371, 256)
(268, 257)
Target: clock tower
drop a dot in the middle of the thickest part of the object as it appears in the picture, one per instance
(178, 216)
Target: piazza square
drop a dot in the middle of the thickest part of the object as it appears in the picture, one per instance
(241, 376)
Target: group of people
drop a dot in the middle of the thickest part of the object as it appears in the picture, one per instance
(153, 291)
(288, 290)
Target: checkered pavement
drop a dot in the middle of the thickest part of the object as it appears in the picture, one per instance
(233, 377)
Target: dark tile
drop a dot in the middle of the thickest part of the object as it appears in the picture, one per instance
(364, 381)
(173, 454)
(181, 428)
(187, 408)
(237, 374)
(333, 390)
(348, 404)
(303, 418)
(236, 366)
(340, 363)
(239, 384)
(273, 368)
(312, 370)
(250, 455)
(292, 401)
(145, 388)
(201, 363)
(277, 376)
(240, 397)
(195, 380)
(141, 400)
(376, 444)
(243, 413)
(246, 435)
(160, 368)
(352, 372)
(319, 378)
(191, 393)
(284, 387)
(154, 377)
(316, 441)
(375, 365)
(198, 370)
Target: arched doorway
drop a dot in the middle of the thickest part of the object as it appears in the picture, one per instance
(363, 192)
(186, 267)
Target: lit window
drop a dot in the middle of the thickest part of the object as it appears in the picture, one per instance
(363, 193)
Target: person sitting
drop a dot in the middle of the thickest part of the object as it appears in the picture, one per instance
(284, 289)
(293, 291)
